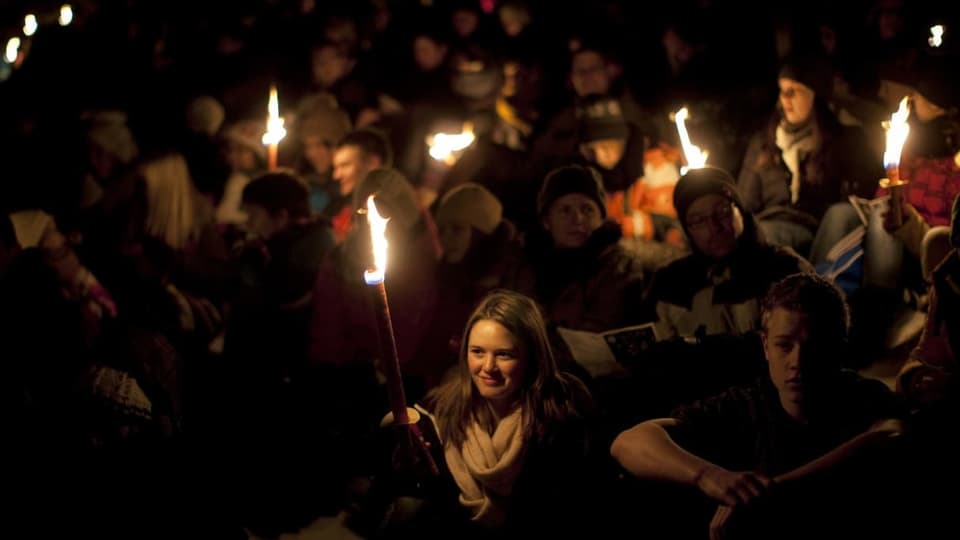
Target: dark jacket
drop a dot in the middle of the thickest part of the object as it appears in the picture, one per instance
(583, 289)
(696, 294)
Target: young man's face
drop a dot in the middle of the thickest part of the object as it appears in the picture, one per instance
(796, 356)
(428, 54)
(714, 224)
(350, 166)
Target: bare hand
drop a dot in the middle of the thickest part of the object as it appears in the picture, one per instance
(889, 217)
(733, 488)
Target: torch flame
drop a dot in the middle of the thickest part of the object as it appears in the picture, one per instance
(897, 131)
(936, 36)
(275, 130)
(66, 15)
(13, 50)
(378, 241)
(443, 145)
(29, 24)
(696, 159)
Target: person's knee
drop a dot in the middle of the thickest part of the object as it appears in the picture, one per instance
(935, 247)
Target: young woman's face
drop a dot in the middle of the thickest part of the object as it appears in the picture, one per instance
(571, 220)
(796, 99)
(496, 362)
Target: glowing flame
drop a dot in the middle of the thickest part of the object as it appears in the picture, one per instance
(275, 130)
(936, 36)
(378, 241)
(13, 50)
(696, 158)
(66, 15)
(30, 25)
(443, 146)
(897, 131)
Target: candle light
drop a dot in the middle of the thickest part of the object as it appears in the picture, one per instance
(936, 36)
(695, 158)
(275, 130)
(897, 130)
(13, 50)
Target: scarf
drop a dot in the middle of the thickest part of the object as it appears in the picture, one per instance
(485, 468)
(795, 143)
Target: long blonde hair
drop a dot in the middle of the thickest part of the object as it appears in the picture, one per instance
(174, 210)
(548, 396)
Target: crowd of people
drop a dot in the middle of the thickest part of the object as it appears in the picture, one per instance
(192, 348)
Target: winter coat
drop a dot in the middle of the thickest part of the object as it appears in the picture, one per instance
(841, 165)
(583, 289)
(696, 294)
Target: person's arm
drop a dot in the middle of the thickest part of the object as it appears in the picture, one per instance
(878, 436)
(647, 451)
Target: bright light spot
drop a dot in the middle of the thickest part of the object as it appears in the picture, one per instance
(897, 131)
(275, 130)
(66, 15)
(13, 50)
(936, 36)
(696, 158)
(30, 25)
(443, 146)
(378, 242)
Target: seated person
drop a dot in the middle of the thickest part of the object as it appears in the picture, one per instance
(803, 160)
(717, 288)
(575, 266)
(808, 422)
(511, 422)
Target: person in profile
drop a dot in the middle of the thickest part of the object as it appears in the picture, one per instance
(803, 436)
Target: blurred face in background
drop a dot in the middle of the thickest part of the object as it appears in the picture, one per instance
(465, 22)
(455, 237)
(796, 99)
(351, 165)
(590, 73)
(606, 153)
(318, 153)
(330, 65)
(571, 220)
(240, 158)
(428, 54)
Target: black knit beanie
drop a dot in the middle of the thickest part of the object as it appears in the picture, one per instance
(571, 179)
(699, 182)
(810, 71)
(601, 118)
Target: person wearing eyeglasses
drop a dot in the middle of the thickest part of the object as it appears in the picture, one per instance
(717, 288)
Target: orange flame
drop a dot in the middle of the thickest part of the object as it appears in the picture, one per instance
(275, 130)
(378, 241)
(897, 131)
(696, 158)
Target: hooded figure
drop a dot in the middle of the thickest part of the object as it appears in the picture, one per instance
(718, 287)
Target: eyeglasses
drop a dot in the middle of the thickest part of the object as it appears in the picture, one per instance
(720, 214)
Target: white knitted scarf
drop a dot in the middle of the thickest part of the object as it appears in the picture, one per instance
(794, 145)
(485, 468)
